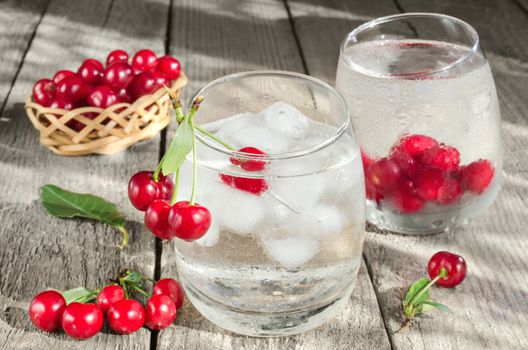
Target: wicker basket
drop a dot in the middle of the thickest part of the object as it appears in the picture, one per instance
(114, 129)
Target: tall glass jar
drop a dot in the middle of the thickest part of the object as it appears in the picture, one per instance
(284, 248)
(425, 110)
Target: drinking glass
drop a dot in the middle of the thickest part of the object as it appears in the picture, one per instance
(425, 112)
(284, 248)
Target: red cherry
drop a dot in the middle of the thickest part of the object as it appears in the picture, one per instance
(408, 165)
(160, 79)
(189, 222)
(384, 174)
(429, 183)
(249, 164)
(144, 60)
(45, 310)
(62, 74)
(171, 288)
(62, 103)
(165, 186)
(445, 158)
(118, 76)
(414, 145)
(477, 176)
(95, 62)
(108, 296)
(90, 73)
(82, 321)
(169, 66)
(116, 56)
(405, 199)
(160, 312)
(367, 161)
(126, 316)
(142, 189)
(454, 264)
(254, 186)
(44, 91)
(143, 84)
(102, 97)
(156, 219)
(450, 191)
(71, 88)
(124, 96)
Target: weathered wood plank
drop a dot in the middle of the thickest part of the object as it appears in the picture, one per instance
(489, 307)
(18, 22)
(214, 39)
(36, 250)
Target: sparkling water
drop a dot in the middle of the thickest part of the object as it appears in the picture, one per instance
(443, 90)
(285, 261)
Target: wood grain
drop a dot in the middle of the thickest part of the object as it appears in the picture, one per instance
(38, 251)
(227, 37)
(489, 308)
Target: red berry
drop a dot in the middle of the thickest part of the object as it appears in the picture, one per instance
(156, 219)
(143, 190)
(108, 296)
(82, 321)
(95, 62)
(445, 158)
(143, 84)
(90, 73)
(160, 79)
(169, 66)
(429, 182)
(383, 175)
(126, 316)
(405, 199)
(160, 312)
(454, 264)
(171, 288)
(124, 96)
(450, 191)
(254, 186)
(71, 88)
(144, 61)
(189, 222)
(102, 97)
(62, 103)
(367, 161)
(249, 164)
(118, 76)
(116, 56)
(407, 164)
(413, 145)
(44, 91)
(45, 310)
(477, 176)
(62, 74)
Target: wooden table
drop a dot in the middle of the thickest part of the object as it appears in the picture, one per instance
(214, 38)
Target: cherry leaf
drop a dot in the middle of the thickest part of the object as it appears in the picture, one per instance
(415, 288)
(430, 304)
(179, 148)
(80, 294)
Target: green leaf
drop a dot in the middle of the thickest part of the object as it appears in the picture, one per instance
(66, 204)
(80, 294)
(415, 288)
(430, 304)
(179, 148)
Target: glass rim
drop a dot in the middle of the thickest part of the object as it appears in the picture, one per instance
(381, 20)
(275, 156)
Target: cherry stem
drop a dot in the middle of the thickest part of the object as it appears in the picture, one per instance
(195, 173)
(213, 137)
(441, 274)
(141, 291)
(124, 232)
(155, 177)
(175, 193)
(176, 104)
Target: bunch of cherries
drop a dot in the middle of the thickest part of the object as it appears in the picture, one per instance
(418, 169)
(81, 318)
(102, 86)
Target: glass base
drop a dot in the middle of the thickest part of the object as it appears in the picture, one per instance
(430, 220)
(261, 324)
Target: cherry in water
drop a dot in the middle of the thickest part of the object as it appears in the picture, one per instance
(415, 144)
(45, 310)
(477, 176)
(454, 264)
(249, 164)
(189, 222)
(250, 185)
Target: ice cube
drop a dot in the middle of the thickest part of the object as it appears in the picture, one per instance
(234, 210)
(261, 137)
(299, 192)
(291, 252)
(205, 179)
(226, 128)
(212, 236)
(285, 119)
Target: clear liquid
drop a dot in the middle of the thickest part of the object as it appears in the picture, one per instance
(285, 261)
(446, 91)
